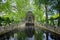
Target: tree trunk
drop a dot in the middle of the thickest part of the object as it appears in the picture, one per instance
(46, 21)
(46, 15)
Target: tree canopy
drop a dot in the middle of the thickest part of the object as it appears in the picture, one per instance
(43, 9)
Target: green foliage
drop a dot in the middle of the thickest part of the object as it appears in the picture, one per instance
(21, 36)
(39, 35)
(0, 0)
(5, 6)
(39, 14)
(5, 20)
(55, 16)
(57, 5)
(19, 13)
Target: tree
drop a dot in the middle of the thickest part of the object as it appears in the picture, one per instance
(46, 3)
(56, 6)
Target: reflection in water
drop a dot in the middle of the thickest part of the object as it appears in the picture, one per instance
(32, 38)
(13, 38)
(44, 36)
(49, 38)
(28, 38)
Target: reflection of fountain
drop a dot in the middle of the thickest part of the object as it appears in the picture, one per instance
(14, 37)
(31, 38)
(11, 38)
